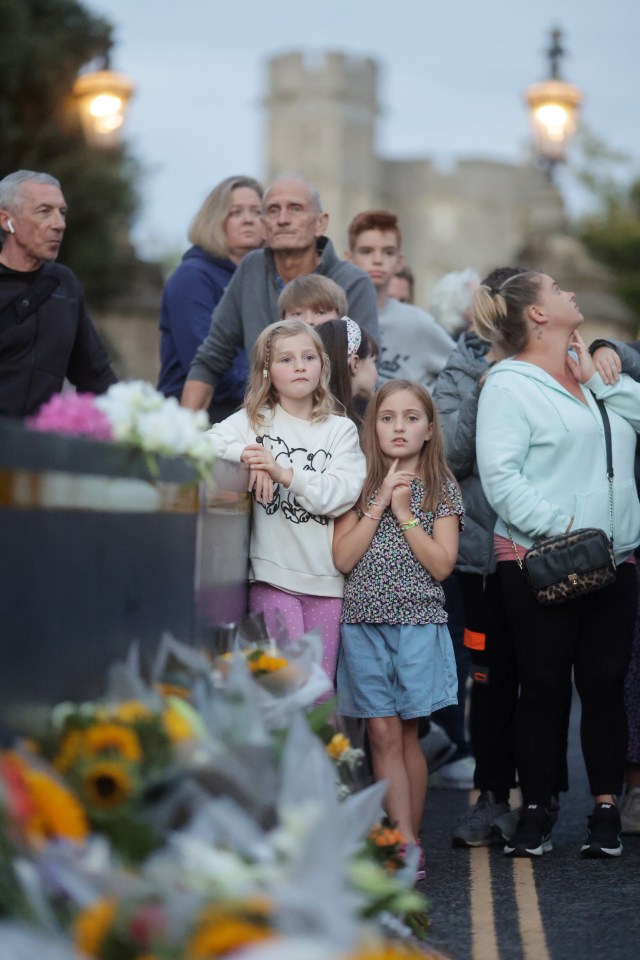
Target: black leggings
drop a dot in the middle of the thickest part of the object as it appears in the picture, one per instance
(494, 690)
(591, 636)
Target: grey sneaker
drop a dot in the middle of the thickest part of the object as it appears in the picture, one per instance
(630, 811)
(437, 747)
(504, 825)
(475, 828)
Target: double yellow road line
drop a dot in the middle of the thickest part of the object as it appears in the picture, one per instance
(484, 938)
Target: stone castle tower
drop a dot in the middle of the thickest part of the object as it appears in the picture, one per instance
(322, 114)
(321, 119)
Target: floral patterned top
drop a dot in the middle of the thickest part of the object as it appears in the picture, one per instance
(388, 584)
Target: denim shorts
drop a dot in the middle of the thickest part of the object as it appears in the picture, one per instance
(385, 670)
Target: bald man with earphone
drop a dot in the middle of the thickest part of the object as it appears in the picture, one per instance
(46, 334)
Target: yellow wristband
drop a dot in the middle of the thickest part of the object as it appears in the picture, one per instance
(410, 524)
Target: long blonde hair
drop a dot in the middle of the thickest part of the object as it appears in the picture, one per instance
(262, 394)
(432, 465)
(500, 312)
(207, 229)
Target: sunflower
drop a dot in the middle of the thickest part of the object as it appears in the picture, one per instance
(69, 750)
(56, 811)
(107, 783)
(112, 738)
(92, 926)
(265, 663)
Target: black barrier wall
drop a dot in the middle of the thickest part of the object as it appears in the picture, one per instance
(97, 551)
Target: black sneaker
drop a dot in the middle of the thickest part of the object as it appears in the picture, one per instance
(603, 832)
(533, 833)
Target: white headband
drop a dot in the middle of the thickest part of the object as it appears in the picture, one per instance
(354, 336)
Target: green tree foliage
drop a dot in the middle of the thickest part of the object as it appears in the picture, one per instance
(44, 44)
(612, 231)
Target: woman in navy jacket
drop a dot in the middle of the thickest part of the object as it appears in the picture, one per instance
(227, 226)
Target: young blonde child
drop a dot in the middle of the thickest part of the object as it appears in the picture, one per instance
(305, 468)
(313, 299)
(397, 663)
(352, 351)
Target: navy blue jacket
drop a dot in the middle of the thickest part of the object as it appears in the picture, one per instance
(190, 296)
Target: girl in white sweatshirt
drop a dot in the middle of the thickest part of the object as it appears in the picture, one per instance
(305, 468)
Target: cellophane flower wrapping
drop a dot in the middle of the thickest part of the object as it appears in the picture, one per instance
(252, 844)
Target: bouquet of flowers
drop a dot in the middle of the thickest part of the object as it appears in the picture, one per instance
(132, 413)
(169, 821)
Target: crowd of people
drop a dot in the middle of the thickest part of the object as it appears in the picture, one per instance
(398, 478)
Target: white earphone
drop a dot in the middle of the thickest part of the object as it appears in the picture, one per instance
(10, 226)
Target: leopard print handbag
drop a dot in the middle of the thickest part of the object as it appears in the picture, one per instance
(560, 568)
(577, 562)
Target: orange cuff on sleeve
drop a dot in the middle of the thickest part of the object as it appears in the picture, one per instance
(474, 641)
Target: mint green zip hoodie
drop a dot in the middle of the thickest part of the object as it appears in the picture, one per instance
(542, 458)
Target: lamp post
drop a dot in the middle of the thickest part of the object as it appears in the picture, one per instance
(102, 97)
(553, 110)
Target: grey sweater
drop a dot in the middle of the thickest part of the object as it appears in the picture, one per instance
(456, 395)
(250, 303)
(413, 346)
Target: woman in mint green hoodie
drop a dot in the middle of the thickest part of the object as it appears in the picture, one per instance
(541, 454)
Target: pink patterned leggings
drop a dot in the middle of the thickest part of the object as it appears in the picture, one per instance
(300, 613)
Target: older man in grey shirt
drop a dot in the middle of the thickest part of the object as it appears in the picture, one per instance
(294, 225)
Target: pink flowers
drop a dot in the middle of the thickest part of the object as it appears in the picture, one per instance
(74, 413)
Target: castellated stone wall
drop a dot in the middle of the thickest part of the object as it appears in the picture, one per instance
(321, 122)
(321, 117)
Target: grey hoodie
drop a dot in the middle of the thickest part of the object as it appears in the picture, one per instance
(456, 395)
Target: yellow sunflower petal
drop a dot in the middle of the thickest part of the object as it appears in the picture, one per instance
(92, 926)
(57, 812)
(114, 738)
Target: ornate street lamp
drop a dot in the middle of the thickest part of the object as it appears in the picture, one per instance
(103, 96)
(553, 110)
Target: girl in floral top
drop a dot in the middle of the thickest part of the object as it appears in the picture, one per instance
(397, 663)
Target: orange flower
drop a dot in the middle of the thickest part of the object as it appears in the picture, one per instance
(386, 836)
(224, 935)
(56, 811)
(228, 927)
(394, 951)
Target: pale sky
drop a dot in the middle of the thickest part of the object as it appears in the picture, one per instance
(450, 84)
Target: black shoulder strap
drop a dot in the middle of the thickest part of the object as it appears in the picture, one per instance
(607, 439)
(27, 301)
(607, 436)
